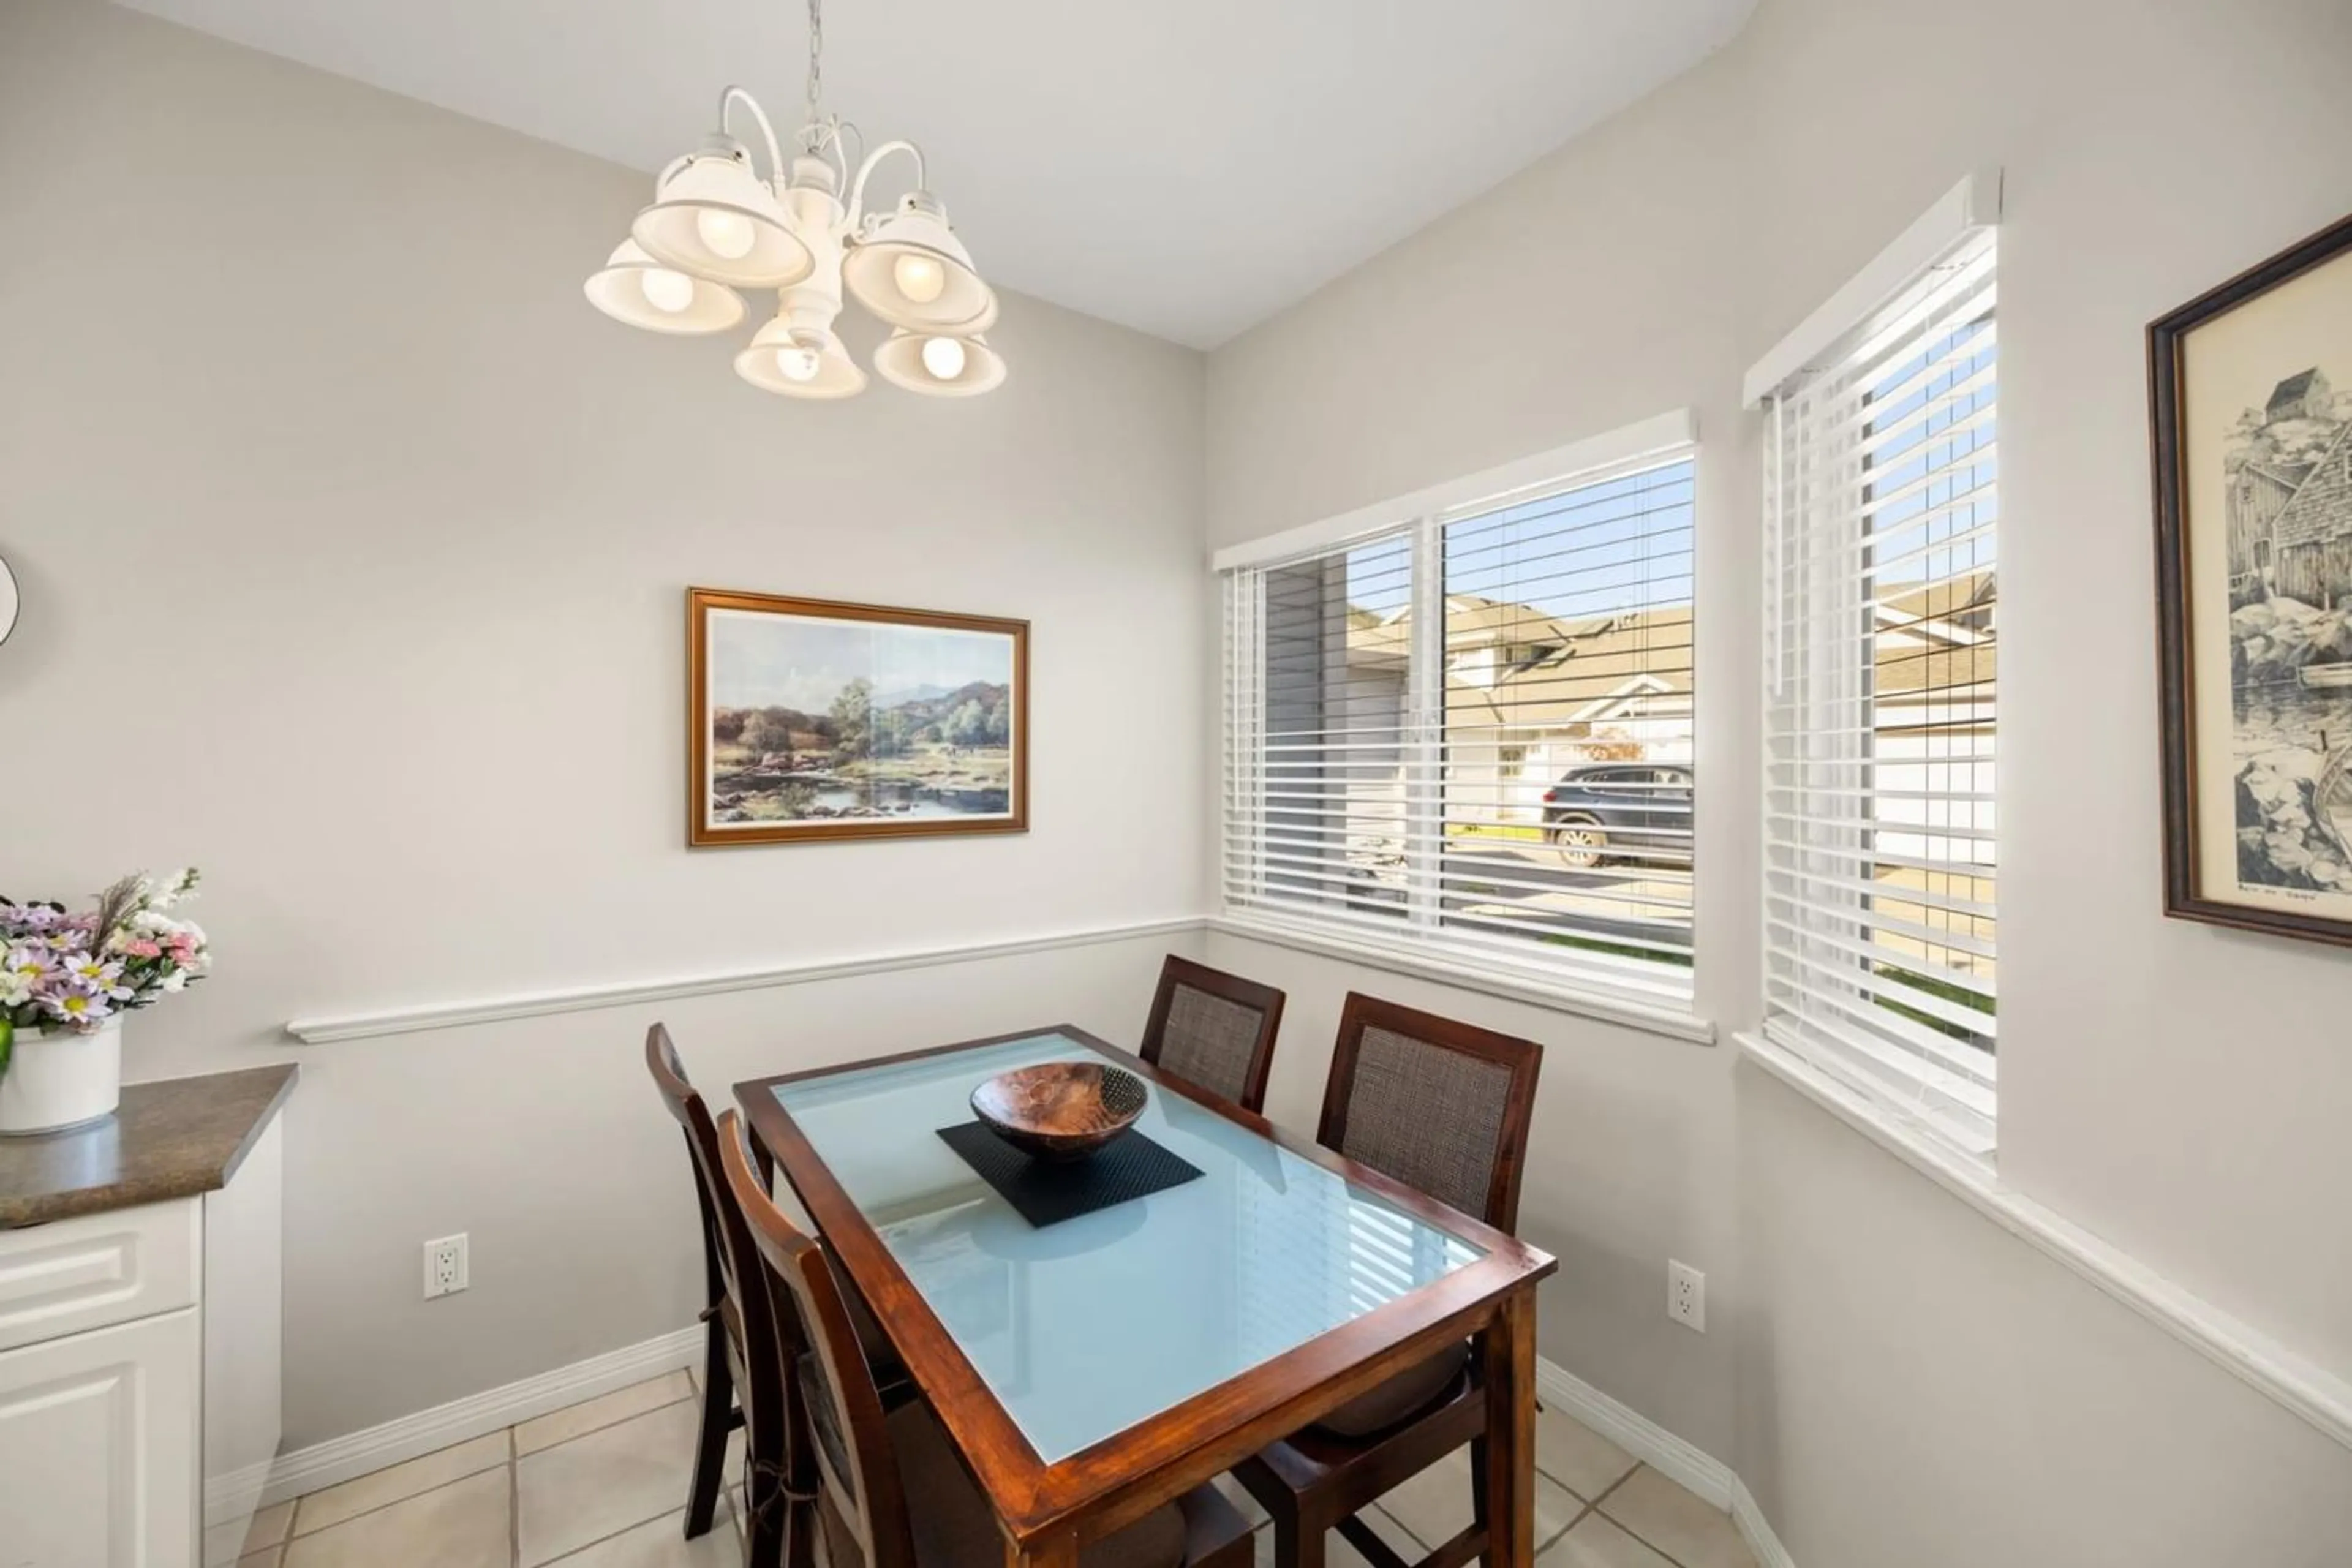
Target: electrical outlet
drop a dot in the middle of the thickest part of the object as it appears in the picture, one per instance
(1686, 1295)
(444, 1266)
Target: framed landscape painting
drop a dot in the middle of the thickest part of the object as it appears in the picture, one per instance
(2251, 393)
(809, 720)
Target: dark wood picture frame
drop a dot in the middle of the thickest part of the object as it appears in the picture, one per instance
(2185, 895)
(701, 833)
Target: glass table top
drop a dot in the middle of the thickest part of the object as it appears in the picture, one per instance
(1084, 1327)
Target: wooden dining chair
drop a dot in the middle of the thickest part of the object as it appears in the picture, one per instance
(741, 1384)
(734, 1358)
(868, 1463)
(1443, 1107)
(1213, 1030)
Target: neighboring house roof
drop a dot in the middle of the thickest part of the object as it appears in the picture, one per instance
(1937, 638)
(1474, 621)
(1939, 672)
(2321, 508)
(1471, 621)
(1597, 660)
(1950, 600)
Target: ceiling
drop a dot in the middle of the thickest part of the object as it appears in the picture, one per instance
(1186, 169)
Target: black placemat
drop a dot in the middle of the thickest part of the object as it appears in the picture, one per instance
(1047, 1192)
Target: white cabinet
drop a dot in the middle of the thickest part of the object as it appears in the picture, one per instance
(139, 1377)
(99, 1444)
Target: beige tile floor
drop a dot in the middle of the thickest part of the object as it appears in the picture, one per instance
(603, 1485)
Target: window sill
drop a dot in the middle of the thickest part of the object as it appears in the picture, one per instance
(2318, 1396)
(1656, 1018)
(1909, 1139)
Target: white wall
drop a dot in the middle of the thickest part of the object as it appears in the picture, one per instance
(1899, 1381)
(354, 546)
(353, 542)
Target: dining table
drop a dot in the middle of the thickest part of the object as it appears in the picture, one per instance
(1093, 1369)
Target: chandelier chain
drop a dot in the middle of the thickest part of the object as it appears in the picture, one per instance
(816, 55)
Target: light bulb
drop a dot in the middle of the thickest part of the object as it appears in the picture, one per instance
(667, 291)
(943, 357)
(797, 363)
(729, 234)
(920, 278)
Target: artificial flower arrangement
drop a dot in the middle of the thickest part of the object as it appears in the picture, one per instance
(64, 972)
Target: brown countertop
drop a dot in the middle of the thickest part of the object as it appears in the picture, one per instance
(172, 1139)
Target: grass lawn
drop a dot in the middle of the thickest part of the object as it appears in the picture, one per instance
(1495, 832)
(1621, 949)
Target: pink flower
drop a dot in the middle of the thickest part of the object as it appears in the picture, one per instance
(142, 948)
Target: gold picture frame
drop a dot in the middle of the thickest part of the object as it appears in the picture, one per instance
(810, 720)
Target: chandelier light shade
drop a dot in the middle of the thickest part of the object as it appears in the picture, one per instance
(799, 361)
(940, 366)
(713, 217)
(912, 271)
(635, 288)
(717, 225)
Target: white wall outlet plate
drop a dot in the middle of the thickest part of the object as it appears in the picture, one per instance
(444, 1266)
(1686, 1295)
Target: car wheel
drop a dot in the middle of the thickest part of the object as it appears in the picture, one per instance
(1580, 842)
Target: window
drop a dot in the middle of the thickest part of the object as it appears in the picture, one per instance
(1880, 718)
(1471, 732)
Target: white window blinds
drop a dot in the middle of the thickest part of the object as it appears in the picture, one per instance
(1472, 733)
(1880, 718)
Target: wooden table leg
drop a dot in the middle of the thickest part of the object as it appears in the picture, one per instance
(1509, 1347)
(1059, 1550)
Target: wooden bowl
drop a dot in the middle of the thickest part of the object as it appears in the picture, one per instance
(1059, 1110)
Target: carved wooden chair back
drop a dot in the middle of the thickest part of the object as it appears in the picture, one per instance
(854, 1467)
(748, 1341)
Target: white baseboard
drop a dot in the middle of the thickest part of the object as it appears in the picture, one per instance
(1670, 1456)
(1684, 1463)
(356, 1454)
(1755, 1529)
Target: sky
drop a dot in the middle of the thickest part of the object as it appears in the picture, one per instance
(1626, 544)
(763, 660)
(1619, 545)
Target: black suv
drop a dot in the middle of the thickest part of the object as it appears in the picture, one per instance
(1617, 811)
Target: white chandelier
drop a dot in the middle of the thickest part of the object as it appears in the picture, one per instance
(715, 226)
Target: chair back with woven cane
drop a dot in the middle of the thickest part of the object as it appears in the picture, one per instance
(1213, 1030)
(1435, 1103)
(1443, 1107)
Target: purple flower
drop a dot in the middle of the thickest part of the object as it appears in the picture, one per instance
(98, 975)
(79, 1005)
(34, 920)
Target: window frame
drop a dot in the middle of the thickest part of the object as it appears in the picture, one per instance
(1646, 993)
(1952, 1106)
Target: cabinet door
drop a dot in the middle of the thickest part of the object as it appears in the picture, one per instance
(99, 1448)
(95, 1269)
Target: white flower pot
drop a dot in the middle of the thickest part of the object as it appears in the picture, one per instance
(58, 1080)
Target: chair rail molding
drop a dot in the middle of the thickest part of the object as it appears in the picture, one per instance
(326, 1030)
